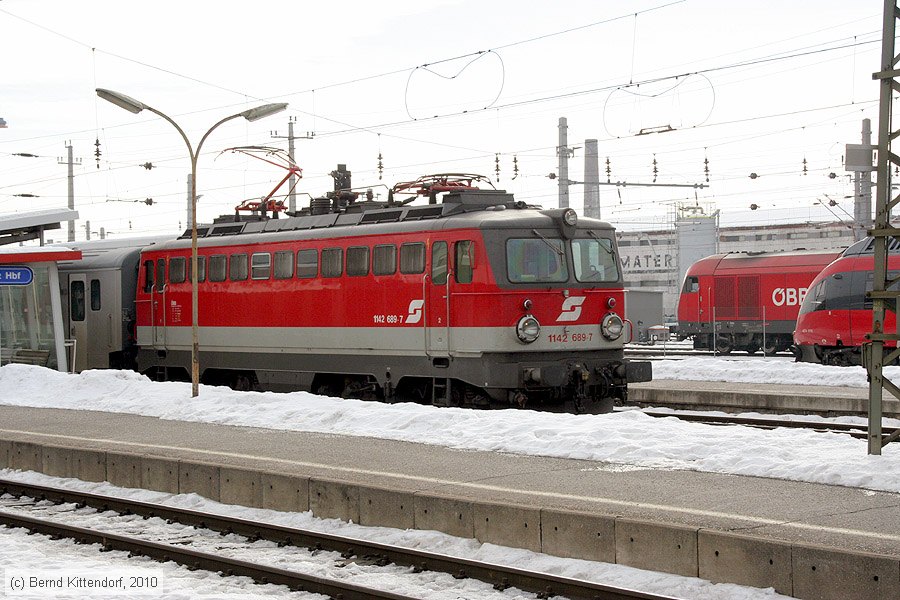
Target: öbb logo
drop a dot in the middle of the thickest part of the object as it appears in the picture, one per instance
(788, 296)
(415, 311)
(571, 309)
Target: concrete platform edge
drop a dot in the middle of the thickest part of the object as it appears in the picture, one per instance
(721, 556)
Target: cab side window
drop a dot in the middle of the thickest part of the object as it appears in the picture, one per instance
(464, 261)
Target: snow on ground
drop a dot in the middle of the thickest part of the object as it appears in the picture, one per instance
(628, 437)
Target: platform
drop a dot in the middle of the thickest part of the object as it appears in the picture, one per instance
(805, 540)
(759, 397)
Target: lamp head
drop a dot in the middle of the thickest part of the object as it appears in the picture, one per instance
(121, 100)
(260, 112)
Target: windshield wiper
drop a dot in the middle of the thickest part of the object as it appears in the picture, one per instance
(558, 251)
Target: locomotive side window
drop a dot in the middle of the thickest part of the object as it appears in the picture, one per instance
(307, 263)
(465, 251)
(95, 294)
(691, 285)
(177, 270)
(439, 263)
(77, 301)
(217, 267)
(332, 262)
(412, 258)
(237, 267)
(148, 276)
(284, 264)
(536, 260)
(384, 259)
(201, 269)
(160, 274)
(594, 260)
(261, 265)
(357, 261)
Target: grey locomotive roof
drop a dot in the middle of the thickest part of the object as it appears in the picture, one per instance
(494, 210)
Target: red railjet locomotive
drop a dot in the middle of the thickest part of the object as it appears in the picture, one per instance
(473, 299)
(747, 301)
(836, 315)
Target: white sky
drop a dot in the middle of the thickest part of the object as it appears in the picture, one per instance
(198, 62)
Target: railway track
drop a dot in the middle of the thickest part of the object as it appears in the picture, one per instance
(853, 430)
(21, 502)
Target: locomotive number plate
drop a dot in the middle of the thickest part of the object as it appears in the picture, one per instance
(387, 319)
(566, 338)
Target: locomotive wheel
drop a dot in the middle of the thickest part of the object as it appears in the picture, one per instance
(771, 348)
(723, 344)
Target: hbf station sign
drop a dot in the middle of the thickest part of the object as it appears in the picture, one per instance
(16, 275)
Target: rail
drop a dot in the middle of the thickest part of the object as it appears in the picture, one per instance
(501, 577)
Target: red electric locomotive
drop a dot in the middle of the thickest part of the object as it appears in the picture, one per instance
(473, 299)
(836, 315)
(746, 301)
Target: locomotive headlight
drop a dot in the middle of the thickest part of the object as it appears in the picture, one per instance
(528, 329)
(570, 217)
(612, 326)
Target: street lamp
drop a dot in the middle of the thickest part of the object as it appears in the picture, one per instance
(253, 114)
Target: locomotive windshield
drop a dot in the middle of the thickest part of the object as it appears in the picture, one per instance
(594, 260)
(543, 260)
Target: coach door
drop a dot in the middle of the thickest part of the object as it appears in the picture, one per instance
(158, 304)
(78, 326)
(437, 314)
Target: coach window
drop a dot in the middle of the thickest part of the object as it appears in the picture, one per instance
(177, 270)
(95, 294)
(307, 263)
(284, 264)
(465, 258)
(217, 267)
(332, 262)
(412, 258)
(237, 267)
(261, 263)
(357, 261)
(384, 259)
(76, 301)
(160, 274)
(439, 263)
(148, 276)
(540, 260)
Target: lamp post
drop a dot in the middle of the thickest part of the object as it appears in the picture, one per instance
(253, 114)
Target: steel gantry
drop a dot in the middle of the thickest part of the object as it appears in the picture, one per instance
(885, 292)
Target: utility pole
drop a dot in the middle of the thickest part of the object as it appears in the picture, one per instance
(292, 180)
(87, 230)
(591, 180)
(190, 203)
(875, 354)
(71, 162)
(858, 159)
(563, 152)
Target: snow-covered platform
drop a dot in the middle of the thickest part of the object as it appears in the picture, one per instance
(808, 540)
